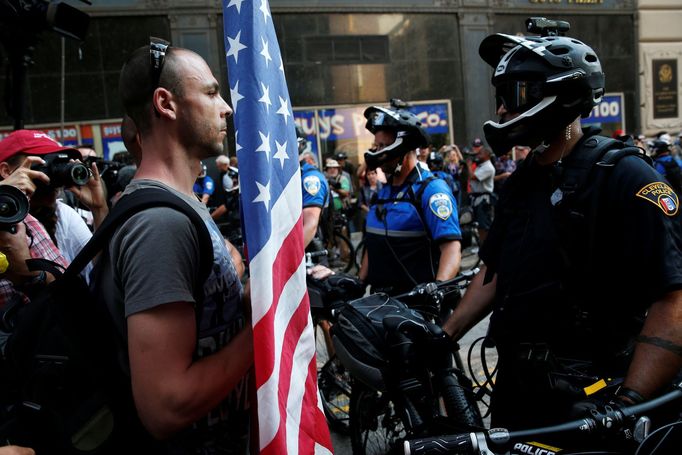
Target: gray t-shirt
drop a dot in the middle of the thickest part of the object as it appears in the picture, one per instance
(153, 259)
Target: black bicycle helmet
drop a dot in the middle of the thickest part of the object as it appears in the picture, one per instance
(547, 80)
(408, 130)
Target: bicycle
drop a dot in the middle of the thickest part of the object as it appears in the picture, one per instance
(341, 254)
(332, 378)
(407, 379)
(503, 441)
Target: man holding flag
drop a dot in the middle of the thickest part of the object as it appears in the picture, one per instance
(290, 418)
(189, 343)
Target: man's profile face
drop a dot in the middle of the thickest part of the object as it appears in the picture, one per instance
(202, 112)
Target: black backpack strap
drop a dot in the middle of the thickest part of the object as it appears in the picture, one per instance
(136, 202)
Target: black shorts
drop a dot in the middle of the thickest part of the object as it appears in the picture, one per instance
(483, 214)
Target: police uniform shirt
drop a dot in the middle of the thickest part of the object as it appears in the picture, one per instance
(395, 228)
(540, 252)
(314, 186)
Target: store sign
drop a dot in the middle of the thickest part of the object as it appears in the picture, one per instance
(609, 110)
(349, 122)
(112, 142)
(69, 136)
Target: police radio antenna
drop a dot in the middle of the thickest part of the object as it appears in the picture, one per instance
(547, 27)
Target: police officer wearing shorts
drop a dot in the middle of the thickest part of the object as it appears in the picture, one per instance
(315, 189)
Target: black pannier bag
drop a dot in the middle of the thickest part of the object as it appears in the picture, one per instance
(360, 339)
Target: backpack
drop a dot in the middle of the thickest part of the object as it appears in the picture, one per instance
(64, 390)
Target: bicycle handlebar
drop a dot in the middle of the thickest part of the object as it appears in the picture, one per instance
(472, 443)
(430, 288)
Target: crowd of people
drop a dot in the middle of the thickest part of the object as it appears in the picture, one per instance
(552, 222)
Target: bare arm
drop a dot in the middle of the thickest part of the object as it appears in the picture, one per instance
(362, 274)
(236, 258)
(219, 211)
(311, 218)
(658, 354)
(475, 305)
(450, 260)
(171, 390)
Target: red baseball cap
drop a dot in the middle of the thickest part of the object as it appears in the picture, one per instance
(30, 142)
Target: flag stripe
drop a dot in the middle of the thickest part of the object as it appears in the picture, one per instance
(290, 417)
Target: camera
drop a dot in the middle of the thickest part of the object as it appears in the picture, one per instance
(13, 207)
(63, 171)
(547, 27)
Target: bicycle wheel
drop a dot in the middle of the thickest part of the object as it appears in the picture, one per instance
(375, 427)
(333, 382)
(341, 254)
(460, 402)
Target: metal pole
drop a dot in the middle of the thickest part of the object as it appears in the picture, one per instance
(63, 84)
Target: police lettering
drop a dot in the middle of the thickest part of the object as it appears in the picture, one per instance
(532, 450)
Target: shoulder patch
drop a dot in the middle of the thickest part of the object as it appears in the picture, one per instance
(441, 205)
(662, 196)
(312, 184)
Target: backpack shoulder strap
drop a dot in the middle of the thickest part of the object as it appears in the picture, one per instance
(136, 202)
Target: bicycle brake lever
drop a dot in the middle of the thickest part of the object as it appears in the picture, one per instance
(642, 428)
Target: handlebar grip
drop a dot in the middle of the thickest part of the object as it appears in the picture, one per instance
(314, 254)
(456, 443)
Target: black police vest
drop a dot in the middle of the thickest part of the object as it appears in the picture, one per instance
(548, 257)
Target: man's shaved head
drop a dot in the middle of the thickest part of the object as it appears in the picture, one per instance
(136, 83)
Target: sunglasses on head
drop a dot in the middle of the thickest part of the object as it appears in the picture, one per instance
(157, 55)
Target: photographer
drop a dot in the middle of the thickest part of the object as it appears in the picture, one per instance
(338, 183)
(63, 224)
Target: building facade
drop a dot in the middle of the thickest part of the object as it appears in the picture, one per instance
(338, 55)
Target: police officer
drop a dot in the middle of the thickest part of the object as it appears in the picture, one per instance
(589, 271)
(435, 161)
(413, 233)
(666, 164)
(314, 188)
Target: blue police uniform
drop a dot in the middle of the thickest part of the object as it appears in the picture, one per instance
(315, 187)
(405, 226)
(449, 180)
(204, 185)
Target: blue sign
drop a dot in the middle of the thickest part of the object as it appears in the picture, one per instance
(610, 110)
(349, 122)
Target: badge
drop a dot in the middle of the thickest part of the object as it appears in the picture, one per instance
(662, 196)
(312, 184)
(441, 205)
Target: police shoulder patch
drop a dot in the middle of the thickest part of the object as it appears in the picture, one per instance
(441, 205)
(662, 196)
(312, 184)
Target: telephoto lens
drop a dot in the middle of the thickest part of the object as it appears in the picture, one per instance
(13, 207)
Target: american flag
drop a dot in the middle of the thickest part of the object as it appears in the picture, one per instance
(290, 416)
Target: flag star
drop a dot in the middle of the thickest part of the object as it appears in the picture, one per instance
(263, 195)
(265, 145)
(235, 47)
(237, 3)
(236, 138)
(281, 63)
(236, 96)
(265, 52)
(265, 10)
(283, 109)
(265, 99)
(281, 153)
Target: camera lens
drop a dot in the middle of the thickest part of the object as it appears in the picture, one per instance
(79, 174)
(13, 206)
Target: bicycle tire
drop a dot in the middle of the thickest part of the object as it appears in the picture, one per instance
(460, 402)
(341, 255)
(375, 427)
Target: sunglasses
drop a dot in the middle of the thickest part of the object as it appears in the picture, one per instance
(157, 55)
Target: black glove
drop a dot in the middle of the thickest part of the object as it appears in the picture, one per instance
(606, 410)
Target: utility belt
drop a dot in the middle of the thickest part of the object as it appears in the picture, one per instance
(538, 368)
